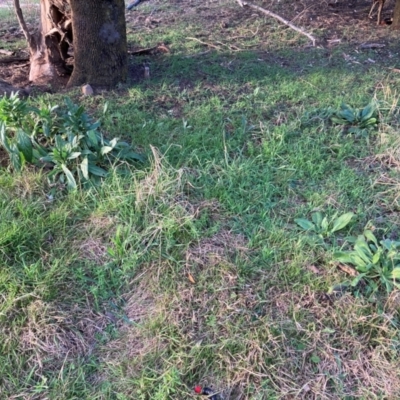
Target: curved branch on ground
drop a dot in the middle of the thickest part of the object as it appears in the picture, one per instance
(279, 18)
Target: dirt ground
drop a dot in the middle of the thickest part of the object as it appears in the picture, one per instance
(331, 21)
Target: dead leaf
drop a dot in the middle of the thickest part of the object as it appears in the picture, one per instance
(191, 279)
(313, 269)
(163, 48)
(349, 270)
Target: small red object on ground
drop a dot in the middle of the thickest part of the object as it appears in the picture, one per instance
(198, 389)
(206, 391)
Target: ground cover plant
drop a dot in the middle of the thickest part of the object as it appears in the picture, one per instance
(65, 140)
(210, 264)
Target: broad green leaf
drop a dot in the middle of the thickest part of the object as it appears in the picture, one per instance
(95, 170)
(15, 159)
(367, 112)
(350, 257)
(387, 244)
(376, 257)
(317, 218)
(396, 273)
(364, 245)
(48, 158)
(84, 168)
(121, 145)
(339, 121)
(3, 137)
(370, 237)
(344, 257)
(93, 138)
(342, 221)
(59, 142)
(24, 145)
(359, 264)
(94, 126)
(345, 106)
(71, 183)
(305, 224)
(348, 115)
(40, 149)
(74, 155)
(324, 224)
(357, 279)
(363, 251)
(131, 155)
(371, 121)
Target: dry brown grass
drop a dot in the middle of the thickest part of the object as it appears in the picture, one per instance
(352, 344)
(217, 248)
(52, 334)
(307, 346)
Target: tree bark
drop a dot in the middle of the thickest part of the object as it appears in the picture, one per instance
(100, 48)
(49, 45)
(87, 37)
(396, 16)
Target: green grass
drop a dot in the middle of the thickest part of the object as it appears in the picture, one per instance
(192, 269)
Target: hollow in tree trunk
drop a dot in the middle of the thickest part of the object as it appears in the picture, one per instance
(85, 37)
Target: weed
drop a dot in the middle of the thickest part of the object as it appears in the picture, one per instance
(378, 263)
(66, 141)
(357, 121)
(323, 227)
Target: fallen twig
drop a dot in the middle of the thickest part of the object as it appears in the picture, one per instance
(205, 44)
(279, 18)
(6, 52)
(9, 60)
(371, 45)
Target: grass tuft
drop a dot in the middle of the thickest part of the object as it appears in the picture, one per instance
(192, 270)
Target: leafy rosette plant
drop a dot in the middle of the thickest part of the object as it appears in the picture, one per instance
(378, 263)
(323, 227)
(358, 121)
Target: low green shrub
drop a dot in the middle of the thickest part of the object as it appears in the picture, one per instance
(65, 140)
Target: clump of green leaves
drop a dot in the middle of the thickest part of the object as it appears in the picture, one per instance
(378, 263)
(323, 227)
(63, 139)
(357, 121)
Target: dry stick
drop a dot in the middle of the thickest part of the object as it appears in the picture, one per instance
(28, 36)
(205, 44)
(279, 18)
(9, 60)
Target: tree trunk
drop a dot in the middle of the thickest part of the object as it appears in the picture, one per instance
(396, 16)
(100, 48)
(48, 46)
(87, 37)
